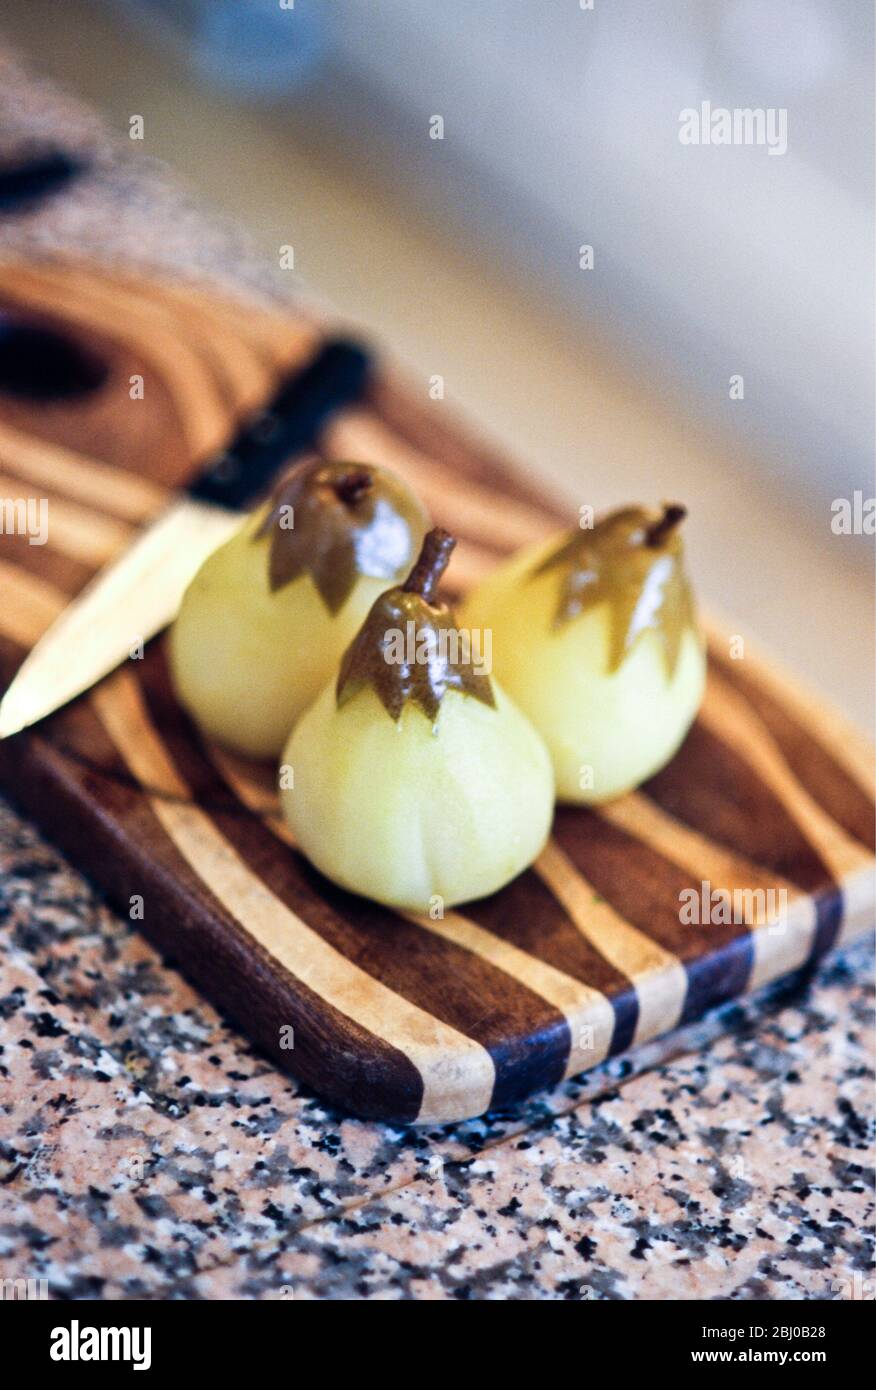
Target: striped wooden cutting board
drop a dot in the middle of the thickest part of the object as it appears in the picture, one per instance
(392, 1017)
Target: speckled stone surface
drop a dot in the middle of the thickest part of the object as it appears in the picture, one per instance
(147, 1152)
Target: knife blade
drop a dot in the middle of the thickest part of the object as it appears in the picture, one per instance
(134, 597)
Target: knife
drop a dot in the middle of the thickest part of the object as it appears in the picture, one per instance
(134, 597)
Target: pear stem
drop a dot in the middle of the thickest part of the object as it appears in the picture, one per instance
(350, 486)
(673, 514)
(425, 577)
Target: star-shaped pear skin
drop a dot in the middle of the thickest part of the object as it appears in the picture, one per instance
(339, 521)
(409, 649)
(633, 561)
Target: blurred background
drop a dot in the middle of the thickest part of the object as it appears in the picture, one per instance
(313, 123)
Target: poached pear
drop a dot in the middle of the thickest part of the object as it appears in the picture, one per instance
(595, 636)
(416, 780)
(269, 614)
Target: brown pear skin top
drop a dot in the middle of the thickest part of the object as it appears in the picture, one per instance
(337, 521)
(439, 665)
(633, 559)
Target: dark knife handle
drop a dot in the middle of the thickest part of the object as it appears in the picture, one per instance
(290, 424)
(34, 175)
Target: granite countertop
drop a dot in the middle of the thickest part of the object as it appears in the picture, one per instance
(146, 1151)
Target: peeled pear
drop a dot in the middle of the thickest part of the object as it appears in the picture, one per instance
(269, 614)
(415, 780)
(595, 636)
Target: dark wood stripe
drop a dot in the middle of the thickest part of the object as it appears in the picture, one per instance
(828, 921)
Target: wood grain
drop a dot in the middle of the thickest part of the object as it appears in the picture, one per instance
(395, 1017)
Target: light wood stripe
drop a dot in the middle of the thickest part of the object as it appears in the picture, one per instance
(781, 941)
(788, 944)
(466, 507)
(30, 605)
(94, 484)
(659, 977)
(277, 332)
(784, 944)
(692, 852)
(86, 536)
(279, 337)
(846, 745)
(245, 373)
(859, 892)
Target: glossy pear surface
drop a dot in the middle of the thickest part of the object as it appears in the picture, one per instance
(268, 616)
(612, 682)
(412, 814)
